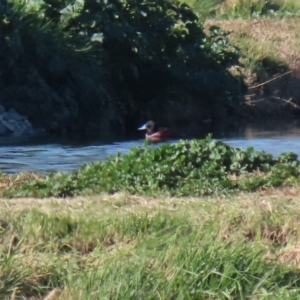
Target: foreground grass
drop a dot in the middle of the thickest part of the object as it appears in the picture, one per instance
(129, 247)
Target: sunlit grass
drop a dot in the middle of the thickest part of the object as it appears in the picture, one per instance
(245, 9)
(257, 8)
(128, 247)
(267, 36)
(267, 47)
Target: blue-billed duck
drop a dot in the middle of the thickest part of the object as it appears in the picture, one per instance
(151, 136)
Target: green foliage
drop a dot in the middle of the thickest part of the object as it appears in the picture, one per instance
(184, 169)
(248, 9)
(204, 8)
(162, 32)
(56, 87)
(159, 46)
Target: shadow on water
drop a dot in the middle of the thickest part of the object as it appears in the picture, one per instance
(64, 153)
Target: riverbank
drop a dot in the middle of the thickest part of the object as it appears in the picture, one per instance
(123, 246)
(87, 83)
(270, 62)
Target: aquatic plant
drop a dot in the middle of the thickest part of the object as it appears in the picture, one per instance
(188, 168)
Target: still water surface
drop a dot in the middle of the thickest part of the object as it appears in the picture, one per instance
(48, 154)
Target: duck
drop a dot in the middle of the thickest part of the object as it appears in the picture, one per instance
(151, 136)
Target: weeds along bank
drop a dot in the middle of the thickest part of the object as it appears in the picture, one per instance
(125, 246)
(188, 168)
(139, 243)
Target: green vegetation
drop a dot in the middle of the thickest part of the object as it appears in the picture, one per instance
(45, 79)
(192, 168)
(125, 247)
(76, 66)
(244, 9)
(70, 66)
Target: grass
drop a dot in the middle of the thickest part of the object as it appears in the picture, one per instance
(128, 247)
(257, 8)
(269, 49)
(266, 34)
(245, 9)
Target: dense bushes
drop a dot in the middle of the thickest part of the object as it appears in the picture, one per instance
(161, 48)
(64, 60)
(45, 79)
(193, 168)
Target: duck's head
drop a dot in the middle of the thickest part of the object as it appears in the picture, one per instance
(149, 126)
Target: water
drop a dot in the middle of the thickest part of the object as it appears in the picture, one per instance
(50, 154)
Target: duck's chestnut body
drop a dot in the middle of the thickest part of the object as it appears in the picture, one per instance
(151, 136)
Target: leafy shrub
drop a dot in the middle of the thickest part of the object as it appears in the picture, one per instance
(56, 86)
(198, 167)
(158, 46)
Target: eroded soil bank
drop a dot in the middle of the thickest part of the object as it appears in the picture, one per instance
(271, 62)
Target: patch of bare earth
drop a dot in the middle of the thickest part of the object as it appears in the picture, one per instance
(275, 44)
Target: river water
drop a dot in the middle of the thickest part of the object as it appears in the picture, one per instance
(49, 154)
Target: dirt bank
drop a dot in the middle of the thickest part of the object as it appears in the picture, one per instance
(271, 62)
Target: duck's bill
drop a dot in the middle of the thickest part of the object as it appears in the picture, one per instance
(142, 127)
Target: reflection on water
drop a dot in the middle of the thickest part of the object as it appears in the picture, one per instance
(47, 154)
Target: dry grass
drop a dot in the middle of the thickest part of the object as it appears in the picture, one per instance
(270, 47)
(275, 36)
(6, 180)
(228, 5)
(240, 215)
(61, 249)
